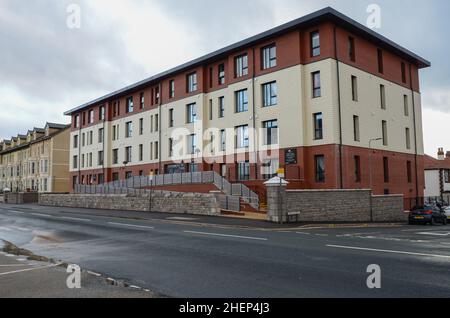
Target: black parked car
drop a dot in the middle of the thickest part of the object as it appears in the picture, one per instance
(427, 214)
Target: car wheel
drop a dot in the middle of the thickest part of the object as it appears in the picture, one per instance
(444, 221)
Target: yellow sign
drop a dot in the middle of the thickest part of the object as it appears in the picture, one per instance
(280, 171)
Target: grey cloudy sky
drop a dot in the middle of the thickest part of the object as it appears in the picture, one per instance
(47, 68)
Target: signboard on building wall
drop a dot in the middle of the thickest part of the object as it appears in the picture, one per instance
(290, 156)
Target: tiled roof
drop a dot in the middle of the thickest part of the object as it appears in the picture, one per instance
(431, 163)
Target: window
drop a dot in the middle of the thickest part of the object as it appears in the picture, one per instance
(192, 82)
(386, 169)
(409, 171)
(383, 96)
(90, 159)
(75, 162)
(75, 141)
(192, 144)
(380, 61)
(270, 132)
(241, 101)
(156, 95)
(115, 156)
(116, 108)
(82, 162)
(151, 123)
(76, 121)
(241, 65)
(356, 128)
(447, 176)
(100, 158)
(384, 132)
(170, 147)
(129, 129)
(170, 117)
(141, 152)
(142, 101)
(141, 126)
(91, 137)
(191, 113)
(221, 74)
(101, 133)
(156, 122)
(316, 85)
(243, 171)
(90, 116)
(270, 94)
(408, 138)
(223, 140)
(403, 67)
(130, 106)
(357, 169)
(269, 57)
(115, 176)
(101, 113)
(318, 126)
(128, 154)
(210, 109)
(406, 105)
(221, 107)
(151, 151)
(319, 163)
(315, 44)
(269, 168)
(128, 175)
(242, 137)
(210, 77)
(172, 89)
(354, 88)
(115, 134)
(351, 49)
(156, 150)
(101, 178)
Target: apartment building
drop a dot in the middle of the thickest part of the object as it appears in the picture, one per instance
(37, 161)
(335, 104)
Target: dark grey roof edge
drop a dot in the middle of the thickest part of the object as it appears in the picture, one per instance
(328, 11)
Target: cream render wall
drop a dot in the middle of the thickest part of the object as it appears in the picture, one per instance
(371, 115)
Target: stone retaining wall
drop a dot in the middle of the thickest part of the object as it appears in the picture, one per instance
(167, 202)
(20, 198)
(333, 206)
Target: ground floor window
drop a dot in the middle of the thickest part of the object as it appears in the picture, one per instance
(320, 168)
(270, 168)
(243, 171)
(115, 176)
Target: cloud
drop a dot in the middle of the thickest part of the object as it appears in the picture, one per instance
(437, 99)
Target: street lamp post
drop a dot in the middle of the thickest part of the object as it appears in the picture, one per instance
(370, 175)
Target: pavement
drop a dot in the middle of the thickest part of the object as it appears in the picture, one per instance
(21, 277)
(191, 256)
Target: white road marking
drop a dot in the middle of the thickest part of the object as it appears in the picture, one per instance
(5, 229)
(303, 233)
(75, 219)
(14, 265)
(388, 251)
(132, 225)
(20, 228)
(435, 233)
(16, 212)
(227, 235)
(29, 269)
(43, 215)
(181, 219)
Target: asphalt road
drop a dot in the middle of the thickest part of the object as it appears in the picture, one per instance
(181, 257)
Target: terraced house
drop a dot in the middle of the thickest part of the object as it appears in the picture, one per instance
(37, 161)
(335, 104)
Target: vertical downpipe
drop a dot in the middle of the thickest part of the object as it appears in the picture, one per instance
(341, 177)
(415, 134)
(255, 137)
(160, 128)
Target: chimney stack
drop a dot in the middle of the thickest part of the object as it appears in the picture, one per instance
(447, 155)
(441, 154)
